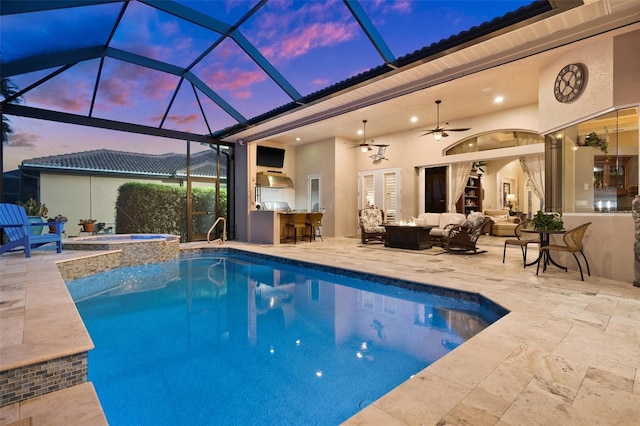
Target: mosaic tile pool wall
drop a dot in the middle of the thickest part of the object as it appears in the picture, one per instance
(22, 383)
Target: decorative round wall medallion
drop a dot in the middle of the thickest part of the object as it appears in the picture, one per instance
(570, 82)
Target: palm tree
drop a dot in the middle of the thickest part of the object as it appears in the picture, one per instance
(8, 90)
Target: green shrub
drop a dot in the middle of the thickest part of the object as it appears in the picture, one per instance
(162, 209)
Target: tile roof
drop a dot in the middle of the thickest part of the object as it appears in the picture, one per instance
(105, 161)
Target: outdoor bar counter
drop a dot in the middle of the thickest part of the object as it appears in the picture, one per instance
(270, 227)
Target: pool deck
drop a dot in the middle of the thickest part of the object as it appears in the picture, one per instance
(568, 353)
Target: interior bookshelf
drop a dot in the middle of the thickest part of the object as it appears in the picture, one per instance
(471, 199)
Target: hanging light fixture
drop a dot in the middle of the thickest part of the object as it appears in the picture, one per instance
(440, 132)
(364, 146)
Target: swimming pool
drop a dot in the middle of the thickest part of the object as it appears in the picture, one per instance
(231, 338)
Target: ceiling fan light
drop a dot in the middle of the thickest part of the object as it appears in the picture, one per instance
(437, 135)
(364, 148)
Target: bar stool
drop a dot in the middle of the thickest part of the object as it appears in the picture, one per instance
(297, 221)
(314, 222)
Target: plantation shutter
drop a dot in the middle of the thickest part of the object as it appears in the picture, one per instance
(368, 191)
(390, 188)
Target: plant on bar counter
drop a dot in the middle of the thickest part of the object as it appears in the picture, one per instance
(58, 218)
(87, 221)
(551, 221)
(33, 208)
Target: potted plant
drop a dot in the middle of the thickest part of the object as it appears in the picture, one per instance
(36, 212)
(477, 166)
(593, 140)
(87, 224)
(57, 218)
(548, 221)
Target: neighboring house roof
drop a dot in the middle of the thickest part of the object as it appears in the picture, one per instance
(105, 161)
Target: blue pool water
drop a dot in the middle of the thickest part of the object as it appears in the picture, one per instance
(226, 338)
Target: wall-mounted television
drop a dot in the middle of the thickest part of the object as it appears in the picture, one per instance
(270, 157)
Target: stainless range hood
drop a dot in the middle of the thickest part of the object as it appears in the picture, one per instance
(273, 179)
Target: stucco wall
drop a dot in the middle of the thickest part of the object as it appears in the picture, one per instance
(83, 197)
(597, 96)
(608, 245)
(626, 69)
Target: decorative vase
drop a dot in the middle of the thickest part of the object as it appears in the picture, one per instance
(36, 230)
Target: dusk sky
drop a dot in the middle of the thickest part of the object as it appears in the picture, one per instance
(312, 44)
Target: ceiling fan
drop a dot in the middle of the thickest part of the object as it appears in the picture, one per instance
(364, 145)
(377, 158)
(441, 132)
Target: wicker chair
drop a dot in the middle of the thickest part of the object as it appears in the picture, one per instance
(573, 244)
(371, 222)
(523, 239)
(462, 238)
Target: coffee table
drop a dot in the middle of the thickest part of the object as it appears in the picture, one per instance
(408, 237)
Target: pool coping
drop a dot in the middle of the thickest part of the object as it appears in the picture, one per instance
(546, 341)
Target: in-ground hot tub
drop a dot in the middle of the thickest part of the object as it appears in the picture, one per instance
(137, 249)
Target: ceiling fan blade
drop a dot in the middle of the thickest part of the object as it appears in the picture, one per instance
(459, 130)
(445, 134)
(428, 132)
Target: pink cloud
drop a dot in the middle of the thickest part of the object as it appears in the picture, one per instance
(61, 92)
(114, 91)
(243, 94)
(402, 6)
(235, 80)
(284, 33)
(320, 82)
(316, 35)
(24, 140)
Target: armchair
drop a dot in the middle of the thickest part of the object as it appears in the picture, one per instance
(16, 226)
(463, 237)
(371, 222)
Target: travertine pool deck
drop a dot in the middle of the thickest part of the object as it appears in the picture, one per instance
(568, 353)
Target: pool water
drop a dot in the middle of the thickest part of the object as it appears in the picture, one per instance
(231, 339)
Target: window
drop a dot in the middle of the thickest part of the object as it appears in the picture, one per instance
(596, 163)
(495, 140)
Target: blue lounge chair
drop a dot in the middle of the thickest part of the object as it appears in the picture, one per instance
(16, 226)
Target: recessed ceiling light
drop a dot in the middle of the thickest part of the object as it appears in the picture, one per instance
(360, 131)
(486, 89)
(414, 119)
(298, 139)
(498, 99)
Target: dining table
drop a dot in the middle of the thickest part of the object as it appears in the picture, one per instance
(545, 255)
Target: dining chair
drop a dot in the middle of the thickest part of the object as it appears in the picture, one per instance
(522, 240)
(573, 244)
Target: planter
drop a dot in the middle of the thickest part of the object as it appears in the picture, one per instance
(88, 227)
(36, 230)
(52, 228)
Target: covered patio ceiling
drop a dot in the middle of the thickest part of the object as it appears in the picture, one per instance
(225, 71)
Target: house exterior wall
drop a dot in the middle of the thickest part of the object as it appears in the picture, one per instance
(84, 197)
